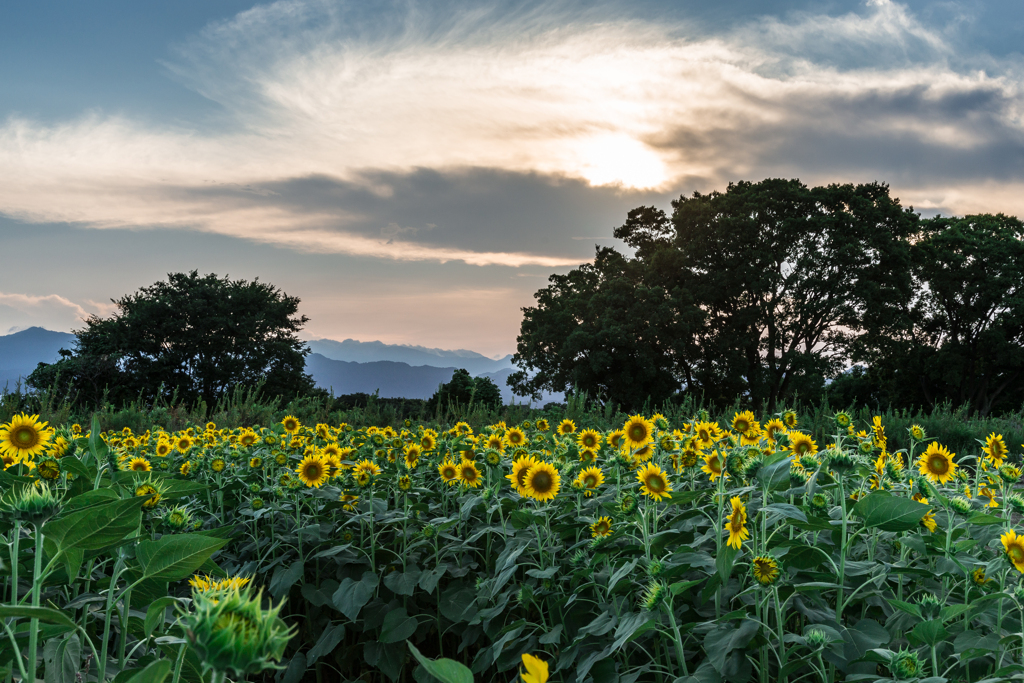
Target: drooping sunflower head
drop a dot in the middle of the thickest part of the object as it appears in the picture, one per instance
(25, 436)
(714, 463)
(764, 569)
(291, 424)
(542, 482)
(566, 426)
(313, 470)
(937, 464)
(654, 482)
(789, 419)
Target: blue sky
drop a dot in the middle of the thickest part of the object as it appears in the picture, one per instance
(414, 170)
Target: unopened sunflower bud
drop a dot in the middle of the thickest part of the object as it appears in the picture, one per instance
(233, 634)
(32, 504)
(1009, 473)
(816, 639)
(962, 505)
(929, 605)
(654, 595)
(841, 462)
(905, 665)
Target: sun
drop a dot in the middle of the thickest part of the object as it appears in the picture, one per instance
(619, 159)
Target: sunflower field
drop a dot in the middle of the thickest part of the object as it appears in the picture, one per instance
(672, 551)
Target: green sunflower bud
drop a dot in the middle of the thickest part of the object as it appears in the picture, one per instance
(627, 503)
(655, 568)
(964, 507)
(1010, 473)
(841, 462)
(32, 504)
(816, 639)
(821, 503)
(736, 465)
(1016, 503)
(905, 665)
(929, 605)
(654, 595)
(233, 634)
(256, 503)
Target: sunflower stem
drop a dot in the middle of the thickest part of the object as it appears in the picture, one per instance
(37, 583)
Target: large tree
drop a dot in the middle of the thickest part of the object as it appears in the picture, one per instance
(961, 338)
(192, 337)
(755, 293)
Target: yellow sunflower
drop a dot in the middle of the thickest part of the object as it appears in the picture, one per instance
(713, 463)
(566, 426)
(366, 465)
(937, 464)
(1014, 546)
(291, 424)
(801, 444)
(25, 436)
(589, 479)
(515, 437)
(204, 583)
(789, 419)
(742, 422)
(736, 524)
(588, 456)
(654, 482)
(637, 432)
(706, 434)
(519, 469)
(312, 470)
(138, 465)
(412, 456)
(602, 527)
(995, 449)
(589, 439)
(449, 472)
(543, 425)
(764, 569)
(428, 442)
(469, 474)
(542, 482)
(773, 428)
(183, 443)
(616, 439)
(495, 442)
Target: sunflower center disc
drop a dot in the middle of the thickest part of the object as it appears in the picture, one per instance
(938, 465)
(542, 482)
(24, 436)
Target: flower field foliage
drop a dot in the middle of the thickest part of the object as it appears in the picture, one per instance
(675, 549)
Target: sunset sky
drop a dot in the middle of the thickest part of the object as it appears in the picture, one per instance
(415, 170)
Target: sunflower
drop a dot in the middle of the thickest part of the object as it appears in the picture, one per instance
(312, 470)
(764, 569)
(566, 426)
(183, 443)
(519, 469)
(48, 469)
(463, 428)
(713, 463)
(737, 524)
(186, 468)
(588, 456)
(218, 465)
(163, 449)
(256, 462)
(543, 425)
(773, 428)
(205, 584)
(428, 442)
(495, 442)
(589, 439)
(1014, 546)
(404, 482)
(654, 482)
(24, 436)
(368, 466)
(801, 444)
(602, 527)
(515, 437)
(148, 490)
(449, 472)
(589, 479)
(638, 431)
(248, 438)
(707, 433)
(742, 422)
(348, 502)
(469, 474)
(138, 465)
(789, 419)
(995, 449)
(291, 424)
(916, 432)
(616, 439)
(937, 464)
(542, 482)
(928, 521)
(536, 670)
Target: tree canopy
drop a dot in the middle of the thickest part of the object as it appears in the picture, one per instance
(772, 289)
(463, 390)
(192, 337)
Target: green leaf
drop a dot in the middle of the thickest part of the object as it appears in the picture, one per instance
(96, 445)
(44, 614)
(96, 527)
(403, 583)
(285, 577)
(907, 607)
(155, 614)
(444, 670)
(890, 513)
(172, 558)
(155, 672)
(325, 645)
(352, 595)
(78, 468)
(930, 632)
(776, 474)
(89, 499)
(398, 625)
(62, 659)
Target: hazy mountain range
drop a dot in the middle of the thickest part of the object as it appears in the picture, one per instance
(345, 367)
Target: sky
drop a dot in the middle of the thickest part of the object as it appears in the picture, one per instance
(414, 171)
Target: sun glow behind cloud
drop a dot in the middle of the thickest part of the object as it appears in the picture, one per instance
(615, 102)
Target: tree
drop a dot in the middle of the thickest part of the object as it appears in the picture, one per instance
(756, 293)
(463, 390)
(961, 338)
(192, 337)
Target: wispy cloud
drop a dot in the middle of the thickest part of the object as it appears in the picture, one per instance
(318, 90)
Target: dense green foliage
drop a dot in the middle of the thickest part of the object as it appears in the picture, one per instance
(463, 391)
(192, 337)
(770, 290)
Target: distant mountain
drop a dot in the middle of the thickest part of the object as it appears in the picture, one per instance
(368, 352)
(20, 352)
(394, 379)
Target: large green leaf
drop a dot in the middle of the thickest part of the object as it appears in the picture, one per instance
(444, 670)
(96, 527)
(156, 672)
(44, 614)
(96, 445)
(890, 513)
(398, 625)
(352, 595)
(62, 659)
(176, 557)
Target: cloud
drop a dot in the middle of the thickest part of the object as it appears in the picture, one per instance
(19, 311)
(511, 130)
